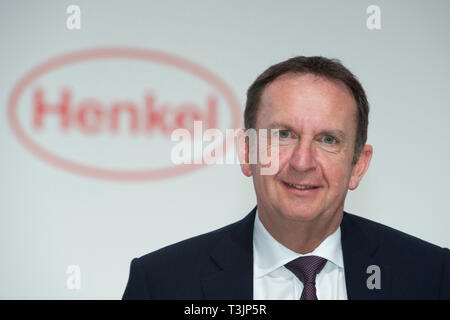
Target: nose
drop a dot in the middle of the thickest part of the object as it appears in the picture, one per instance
(303, 156)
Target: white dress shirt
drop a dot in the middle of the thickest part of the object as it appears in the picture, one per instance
(273, 281)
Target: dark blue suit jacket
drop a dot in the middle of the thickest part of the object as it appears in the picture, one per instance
(219, 265)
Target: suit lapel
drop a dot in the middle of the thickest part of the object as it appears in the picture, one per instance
(363, 261)
(234, 257)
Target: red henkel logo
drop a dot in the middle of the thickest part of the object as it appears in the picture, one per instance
(105, 112)
(91, 117)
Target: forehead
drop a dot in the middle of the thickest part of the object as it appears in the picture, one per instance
(307, 101)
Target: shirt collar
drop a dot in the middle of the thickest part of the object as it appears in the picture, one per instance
(269, 254)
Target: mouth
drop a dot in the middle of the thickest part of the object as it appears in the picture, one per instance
(301, 187)
(305, 188)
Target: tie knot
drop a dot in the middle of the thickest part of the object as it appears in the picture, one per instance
(306, 268)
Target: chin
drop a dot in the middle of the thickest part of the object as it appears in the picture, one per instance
(303, 215)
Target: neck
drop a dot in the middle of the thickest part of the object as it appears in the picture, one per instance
(299, 235)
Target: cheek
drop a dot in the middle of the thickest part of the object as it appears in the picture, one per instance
(264, 186)
(336, 172)
(341, 181)
(285, 154)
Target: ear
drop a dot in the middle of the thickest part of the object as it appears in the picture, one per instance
(243, 151)
(361, 166)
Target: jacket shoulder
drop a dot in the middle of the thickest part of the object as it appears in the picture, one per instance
(190, 247)
(379, 233)
(175, 271)
(421, 269)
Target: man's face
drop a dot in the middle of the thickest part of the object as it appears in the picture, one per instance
(316, 119)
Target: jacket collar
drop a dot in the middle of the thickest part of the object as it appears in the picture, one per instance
(363, 259)
(233, 256)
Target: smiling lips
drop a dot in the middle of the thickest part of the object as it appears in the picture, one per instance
(303, 186)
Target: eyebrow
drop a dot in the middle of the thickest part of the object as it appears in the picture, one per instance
(333, 132)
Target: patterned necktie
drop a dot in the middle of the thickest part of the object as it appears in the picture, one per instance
(306, 269)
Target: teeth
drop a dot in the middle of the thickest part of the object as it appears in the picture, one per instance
(300, 187)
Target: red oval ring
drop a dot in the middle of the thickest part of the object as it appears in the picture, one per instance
(105, 53)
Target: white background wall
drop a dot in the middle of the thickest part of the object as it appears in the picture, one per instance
(52, 218)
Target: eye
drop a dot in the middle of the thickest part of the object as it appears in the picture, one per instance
(284, 134)
(329, 139)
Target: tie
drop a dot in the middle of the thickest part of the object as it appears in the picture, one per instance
(306, 269)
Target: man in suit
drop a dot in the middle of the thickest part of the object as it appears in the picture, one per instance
(298, 243)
